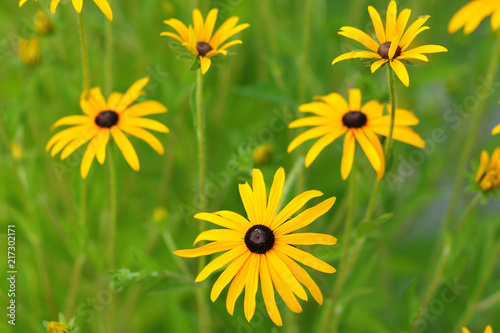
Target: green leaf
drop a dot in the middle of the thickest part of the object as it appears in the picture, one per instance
(365, 228)
(196, 65)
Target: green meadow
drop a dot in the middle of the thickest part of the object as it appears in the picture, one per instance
(409, 268)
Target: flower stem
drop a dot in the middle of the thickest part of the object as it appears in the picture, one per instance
(85, 58)
(467, 212)
(350, 261)
(472, 133)
(200, 135)
(112, 228)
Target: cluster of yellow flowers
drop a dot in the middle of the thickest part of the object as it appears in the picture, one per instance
(263, 246)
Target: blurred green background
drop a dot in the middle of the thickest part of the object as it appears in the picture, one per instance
(248, 103)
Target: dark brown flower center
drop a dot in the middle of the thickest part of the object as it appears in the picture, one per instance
(354, 119)
(259, 239)
(383, 50)
(106, 119)
(203, 48)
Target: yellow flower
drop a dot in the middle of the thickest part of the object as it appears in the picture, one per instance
(262, 154)
(102, 118)
(102, 4)
(488, 174)
(262, 246)
(42, 22)
(55, 327)
(335, 117)
(488, 329)
(393, 41)
(29, 50)
(470, 16)
(200, 39)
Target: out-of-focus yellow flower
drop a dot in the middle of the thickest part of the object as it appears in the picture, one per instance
(394, 41)
(200, 39)
(29, 50)
(262, 154)
(160, 214)
(16, 151)
(488, 174)
(488, 329)
(78, 4)
(472, 14)
(55, 327)
(42, 22)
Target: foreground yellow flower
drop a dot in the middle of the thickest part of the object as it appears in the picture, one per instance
(262, 246)
(335, 117)
(104, 118)
(488, 174)
(393, 41)
(472, 14)
(200, 39)
(78, 4)
(488, 329)
(55, 327)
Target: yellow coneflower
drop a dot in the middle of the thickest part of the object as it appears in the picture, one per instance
(488, 329)
(335, 117)
(29, 50)
(199, 38)
(393, 41)
(55, 327)
(42, 22)
(472, 14)
(78, 4)
(488, 174)
(263, 246)
(104, 118)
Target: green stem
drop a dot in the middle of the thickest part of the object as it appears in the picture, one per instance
(200, 135)
(85, 58)
(473, 301)
(471, 137)
(388, 143)
(467, 212)
(112, 228)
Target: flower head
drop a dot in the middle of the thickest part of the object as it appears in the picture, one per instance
(55, 327)
(488, 329)
(263, 246)
(335, 117)
(199, 38)
(393, 41)
(262, 154)
(488, 174)
(104, 118)
(42, 22)
(78, 4)
(472, 14)
(29, 50)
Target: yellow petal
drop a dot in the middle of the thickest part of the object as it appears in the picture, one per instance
(307, 239)
(172, 35)
(228, 275)
(221, 261)
(488, 329)
(372, 109)
(400, 70)
(221, 221)
(304, 258)
(53, 6)
(105, 8)
(369, 150)
(354, 99)
(465, 330)
(286, 275)
(319, 108)
(412, 32)
(144, 123)
(236, 218)
(294, 206)
(132, 94)
(180, 27)
(21, 2)
(144, 135)
(348, 155)
(87, 159)
(231, 43)
(401, 133)
(229, 24)
(390, 21)
(208, 249)
(305, 218)
(78, 142)
(72, 120)
(259, 196)
(268, 292)
(126, 147)
(210, 24)
(359, 36)
(426, 49)
(336, 102)
(496, 130)
(205, 64)
(284, 289)
(101, 141)
(394, 47)
(236, 288)
(78, 5)
(198, 25)
(308, 135)
(219, 235)
(356, 54)
(274, 196)
(377, 24)
(308, 121)
(322, 143)
(246, 195)
(114, 99)
(376, 65)
(402, 21)
(251, 286)
(226, 34)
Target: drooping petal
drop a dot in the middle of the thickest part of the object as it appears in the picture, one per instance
(401, 72)
(308, 135)
(294, 206)
(172, 35)
(236, 288)
(322, 143)
(226, 34)
(102, 141)
(229, 24)
(78, 142)
(251, 286)
(401, 133)
(87, 159)
(144, 123)
(205, 64)
(372, 142)
(144, 135)
(286, 275)
(221, 261)
(268, 292)
(53, 6)
(348, 154)
(359, 36)
(284, 290)
(229, 44)
(228, 275)
(125, 147)
(376, 65)
(369, 150)
(78, 5)
(305, 218)
(105, 8)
